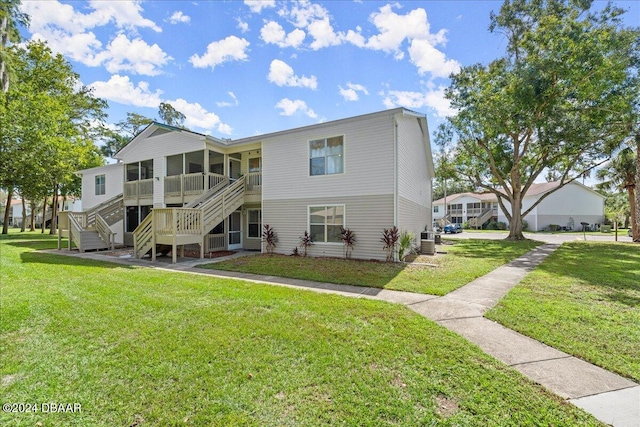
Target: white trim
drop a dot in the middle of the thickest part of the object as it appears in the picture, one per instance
(344, 163)
(259, 224)
(327, 205)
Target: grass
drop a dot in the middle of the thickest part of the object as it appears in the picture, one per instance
(464, 261)
(137, 346)
(584, 299)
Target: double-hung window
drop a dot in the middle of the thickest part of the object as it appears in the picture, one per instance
(254, 221)
(100, 185)
(326, 156)
(325, 223)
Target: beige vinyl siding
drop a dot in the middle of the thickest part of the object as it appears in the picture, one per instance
(413, 217)
(414, 177)
(248, 242)
(368, 161)
(367, 216)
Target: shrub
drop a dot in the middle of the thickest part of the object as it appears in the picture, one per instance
(405, 247)
(525, 225)
(390, 239)
(305, 242)
(466, 225)
(270, 238)
(295, 252)
(348, 238)
(501, 225)
(492, 225)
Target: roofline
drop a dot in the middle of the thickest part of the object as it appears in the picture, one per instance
(258, 138)
(110, 165)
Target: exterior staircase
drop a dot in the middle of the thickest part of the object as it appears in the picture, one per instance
(91, 230)
(189, 224)
(484, 216)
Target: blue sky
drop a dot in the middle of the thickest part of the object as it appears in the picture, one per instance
(241, 68)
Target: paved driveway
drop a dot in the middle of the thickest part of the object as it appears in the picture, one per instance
(545, 237)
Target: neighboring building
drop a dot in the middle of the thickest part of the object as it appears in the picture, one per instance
(364, 173)
(16, 213)
(567, 207)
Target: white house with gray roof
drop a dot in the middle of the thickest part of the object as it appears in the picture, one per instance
(365, 173)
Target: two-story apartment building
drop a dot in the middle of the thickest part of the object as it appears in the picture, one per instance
(365, 173)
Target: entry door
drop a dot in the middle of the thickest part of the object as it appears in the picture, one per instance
(235, 231)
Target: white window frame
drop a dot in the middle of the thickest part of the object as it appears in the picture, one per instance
(249, 164)
(259, 236)
(103, 185)
(344, 143)
(344, 222)
(436, 209)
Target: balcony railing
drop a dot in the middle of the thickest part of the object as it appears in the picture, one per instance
(254, 183)
(138, 189)
(190, 184)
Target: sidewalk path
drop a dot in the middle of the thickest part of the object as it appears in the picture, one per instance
(610, 398)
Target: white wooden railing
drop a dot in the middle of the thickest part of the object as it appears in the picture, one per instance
(215, 242)
(138, 189)
(177, 221)
(254, 183)
(143, 236)
(190, 184)
(218, 208)
(219, 184)
(75, 232)
(105, 232)
(111, 211)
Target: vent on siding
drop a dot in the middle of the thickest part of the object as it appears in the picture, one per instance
(159, 132)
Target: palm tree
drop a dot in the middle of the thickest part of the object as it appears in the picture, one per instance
(621, 174)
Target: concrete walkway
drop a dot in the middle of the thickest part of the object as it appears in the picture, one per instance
(610, 398)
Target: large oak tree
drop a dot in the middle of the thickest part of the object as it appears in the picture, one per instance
(558, 100)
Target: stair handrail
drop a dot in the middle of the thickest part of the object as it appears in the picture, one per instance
(75, 232)
(104, 231)
(143, 235)
(208, 194)
(116, 202)
(218, 206)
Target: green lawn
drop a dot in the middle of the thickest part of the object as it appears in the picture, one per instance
(155, 348)
(583, 299)
(464, 261)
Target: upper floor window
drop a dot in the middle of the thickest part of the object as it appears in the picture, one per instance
(100, 185)
(254, 164)
(326, 156)
(435, 209)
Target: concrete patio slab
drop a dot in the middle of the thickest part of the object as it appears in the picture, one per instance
(620, 408)
(572, 378)
(502, 343)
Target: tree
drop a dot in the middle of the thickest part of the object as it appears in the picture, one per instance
(621, 175)
(10, 18)
(170, 115)
(46, 125)
(558, 100)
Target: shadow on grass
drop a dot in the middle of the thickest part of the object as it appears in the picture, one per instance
(612, 266)
(504, 250)
(55, 259)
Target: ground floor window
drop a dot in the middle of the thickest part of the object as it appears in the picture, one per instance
(325, 223)
(456, 219)
(134, 216)
(254, 223)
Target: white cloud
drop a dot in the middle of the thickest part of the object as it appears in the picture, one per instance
(323, 34)
(432, 98)
(68, 32)
(229, 104)
(134, 56)
(273, 33)
(242, 26)
(230, 49)
(282, 74)
(394, 28)
(256, 6)
(122, 90)
(315, 19)
(290, 107)
(350, 93)
(179, 17)
(197, 116)
(428, 59)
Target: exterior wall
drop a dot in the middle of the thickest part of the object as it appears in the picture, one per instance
(114, 178)
(367, 216)
(368, 161)
(414, 177)
(249, 243)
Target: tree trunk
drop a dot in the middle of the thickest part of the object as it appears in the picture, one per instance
(33, 217)
(7, 212)
(515, 225)
(44, 215)
(54, 210)
(636, 229)
(24, 215)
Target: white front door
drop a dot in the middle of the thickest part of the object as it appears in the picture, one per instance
(235, 231)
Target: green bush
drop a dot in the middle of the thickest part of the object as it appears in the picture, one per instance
(501, 225)
(525, 225)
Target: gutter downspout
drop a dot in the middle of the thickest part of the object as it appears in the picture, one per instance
(395, 175)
